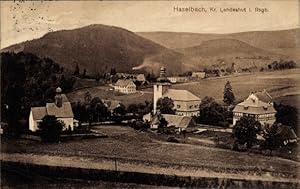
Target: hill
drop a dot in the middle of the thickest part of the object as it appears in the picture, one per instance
(98, 48)
(221, 53)
(281, 41)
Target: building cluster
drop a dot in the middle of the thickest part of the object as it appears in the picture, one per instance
(258, 105)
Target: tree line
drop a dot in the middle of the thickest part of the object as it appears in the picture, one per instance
(27, 81)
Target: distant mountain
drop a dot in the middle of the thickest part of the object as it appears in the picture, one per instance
(283, 41)
(224, 52)
(98, 48)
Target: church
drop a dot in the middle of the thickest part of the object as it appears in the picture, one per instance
(61, 109)
(185, 103)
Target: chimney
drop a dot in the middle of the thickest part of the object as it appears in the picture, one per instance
(58, 97)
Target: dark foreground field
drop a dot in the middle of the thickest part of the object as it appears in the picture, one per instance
(135, 151)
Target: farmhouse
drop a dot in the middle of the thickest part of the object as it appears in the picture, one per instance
(178, 79)
(61, 109)
(285, 134)
(111, 104)
(199, 75)
(185, 103)
(125, 86)
(180, 123)
(259, 105)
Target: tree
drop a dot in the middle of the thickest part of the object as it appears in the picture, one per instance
(162, 123)
(99, 110)
(166, 105)
(272, 140)
(119, 113)
(287, 115)
(133, 108)
(50, 129)
(84, 72)
(228, 94)
(87, 97)
(77, 71)
(120, 110)
(245, 131)
(212, 113)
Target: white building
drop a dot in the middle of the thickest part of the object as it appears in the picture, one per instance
(61, 109)
(258, 105)
(125, 86)
(178, 79)
(199, 75)
(185, 103)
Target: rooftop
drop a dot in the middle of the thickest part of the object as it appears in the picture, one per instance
(181, 95)
(123, 82)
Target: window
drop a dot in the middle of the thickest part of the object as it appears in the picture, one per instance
(178, 106)
(191, 107)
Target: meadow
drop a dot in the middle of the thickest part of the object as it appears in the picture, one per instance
(282, 85)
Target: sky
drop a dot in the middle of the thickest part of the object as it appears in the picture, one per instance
(21, 21)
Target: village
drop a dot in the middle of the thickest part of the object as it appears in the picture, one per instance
(172, 113)
(124, 117)
(136, 94)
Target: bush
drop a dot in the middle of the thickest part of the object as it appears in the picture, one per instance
(50, 129)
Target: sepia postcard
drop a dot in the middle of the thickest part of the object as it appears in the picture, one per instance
(150, 94)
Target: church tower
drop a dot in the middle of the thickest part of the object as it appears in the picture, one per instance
(160, 87)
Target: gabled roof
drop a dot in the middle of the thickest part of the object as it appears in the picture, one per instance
(65, 111)
(182, 95)
(286, 132)
(254, 105)
(264, 96)
(123, 82)
(111, 104)
(175, 120)
(38, 112)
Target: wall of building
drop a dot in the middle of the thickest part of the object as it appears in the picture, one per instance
(33, 125)
(262, 118)
(68, 122)
(187, 108)
(157, 94)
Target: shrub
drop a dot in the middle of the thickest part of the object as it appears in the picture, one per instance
(50, 129)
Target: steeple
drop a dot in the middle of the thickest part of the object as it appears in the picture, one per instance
(162, 76)
(160, 87)
(58, 97)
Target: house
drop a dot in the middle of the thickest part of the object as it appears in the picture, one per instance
(111, 104)
(61, 109)
(125, 86)
(140, 78)
(178, 79)
(180, 123)
(185, 103)
(258, 105)
(285, 134)
(198, 75)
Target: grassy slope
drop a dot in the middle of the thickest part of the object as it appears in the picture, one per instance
(278, 83)
(260, 39)
(141, 150)
(221, 53)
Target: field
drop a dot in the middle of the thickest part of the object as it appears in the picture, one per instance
(105, 92)
(139, 151)
(280, 84)
(277, 83)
